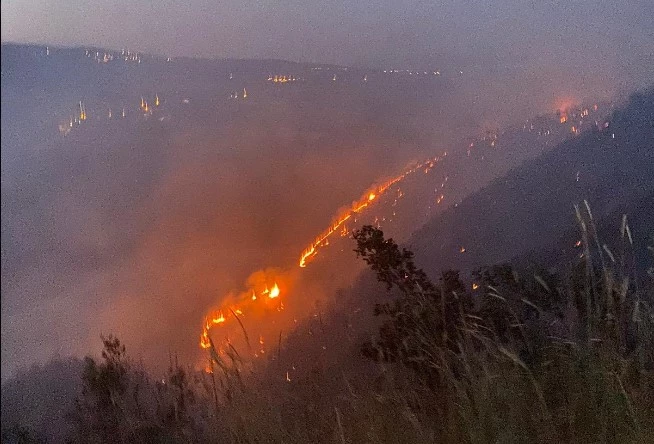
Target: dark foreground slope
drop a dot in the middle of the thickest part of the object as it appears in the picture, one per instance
(529, 208)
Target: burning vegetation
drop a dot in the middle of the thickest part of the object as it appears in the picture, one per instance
(263, 293)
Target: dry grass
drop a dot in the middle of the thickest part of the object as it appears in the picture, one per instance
(584, 375)
(592, 383)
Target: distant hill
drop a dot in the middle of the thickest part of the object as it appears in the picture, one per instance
(533, 205)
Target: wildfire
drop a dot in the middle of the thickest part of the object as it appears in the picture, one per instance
(256, 292)
(366, 200)
(232, 309)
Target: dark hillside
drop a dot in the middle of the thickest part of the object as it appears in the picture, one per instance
(529, 207)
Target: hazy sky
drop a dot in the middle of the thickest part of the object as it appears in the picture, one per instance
(617, 33)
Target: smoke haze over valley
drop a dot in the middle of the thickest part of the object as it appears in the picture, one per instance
(190, 176)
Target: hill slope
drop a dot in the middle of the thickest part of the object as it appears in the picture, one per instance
(533, 205)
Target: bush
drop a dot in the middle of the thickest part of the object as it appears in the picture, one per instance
(541, 359)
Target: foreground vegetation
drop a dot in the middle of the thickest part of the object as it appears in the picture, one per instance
(544, 359)
(509, 357)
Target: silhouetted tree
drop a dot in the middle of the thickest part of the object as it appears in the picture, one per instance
(121, 404)
(104, 385)
(424, 318)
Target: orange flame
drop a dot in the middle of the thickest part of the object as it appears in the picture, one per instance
(232, 310)
(366, 200)
(274, 292)
(219, 319)
(205, 342)
(251, 296)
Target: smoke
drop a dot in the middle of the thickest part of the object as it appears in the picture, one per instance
(141, 227)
